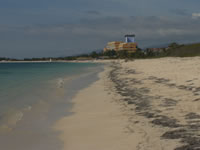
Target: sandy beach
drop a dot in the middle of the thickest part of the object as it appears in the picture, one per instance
(142, 104)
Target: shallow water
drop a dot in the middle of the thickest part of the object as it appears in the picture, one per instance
(33, 96)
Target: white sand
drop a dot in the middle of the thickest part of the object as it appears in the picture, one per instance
(179, 71)
(97, 122)
(101, 121)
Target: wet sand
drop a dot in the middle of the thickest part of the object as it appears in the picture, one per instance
(142, 104)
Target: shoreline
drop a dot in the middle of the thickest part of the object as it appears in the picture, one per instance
(62, 61)
(102, 121)
(94, 121)
(34, 120)
(143, 104)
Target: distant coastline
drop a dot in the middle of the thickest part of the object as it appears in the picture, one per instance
(172, 50)
(61, 61)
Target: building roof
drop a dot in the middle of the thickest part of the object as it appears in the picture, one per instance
(115, 42)
(130, 35)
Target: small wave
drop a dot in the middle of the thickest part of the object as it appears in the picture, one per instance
(14, 118)
(5, 128)
(10, 119)
(60, 82)
(28, 108)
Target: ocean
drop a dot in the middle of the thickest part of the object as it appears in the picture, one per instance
(33, 96)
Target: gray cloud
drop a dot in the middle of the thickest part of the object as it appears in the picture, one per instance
(94, 33)
(54, 28)
(179, 11)
(195, 15)
(93, 12)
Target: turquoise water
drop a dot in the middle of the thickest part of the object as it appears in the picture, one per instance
(33, 96)
(18, 81)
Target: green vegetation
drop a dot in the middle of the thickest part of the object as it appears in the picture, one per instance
(111, 54)
(129, 55)
(189, 50)
(173, 50)
(7, 59)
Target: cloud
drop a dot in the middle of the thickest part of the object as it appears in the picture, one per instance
(93, 12)
(149, 28)
(195, 15)
(54, 26)
(93, 33)
(181, 12)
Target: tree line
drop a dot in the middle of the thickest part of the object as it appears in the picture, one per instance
(112, 54)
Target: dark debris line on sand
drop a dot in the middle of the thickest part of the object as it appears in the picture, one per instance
(140, 98)
(195, 90)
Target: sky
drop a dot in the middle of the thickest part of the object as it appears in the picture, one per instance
(54, 28)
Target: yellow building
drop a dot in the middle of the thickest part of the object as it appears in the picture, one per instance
(131, 47)
(129, 44)
(112, 46)
(121, 46)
